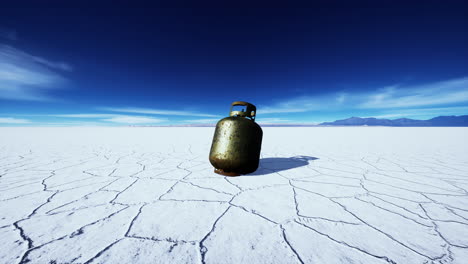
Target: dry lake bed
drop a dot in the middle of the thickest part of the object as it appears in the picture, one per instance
(149, 195)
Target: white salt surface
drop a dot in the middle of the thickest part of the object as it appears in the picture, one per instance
(149, 195)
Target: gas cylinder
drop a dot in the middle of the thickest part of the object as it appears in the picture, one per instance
(237, 142)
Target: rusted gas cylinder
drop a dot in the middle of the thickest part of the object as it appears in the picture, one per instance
(237, 142)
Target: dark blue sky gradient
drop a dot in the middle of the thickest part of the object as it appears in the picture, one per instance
(201, 58)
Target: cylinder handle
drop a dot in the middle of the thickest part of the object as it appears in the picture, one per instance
(250, 111)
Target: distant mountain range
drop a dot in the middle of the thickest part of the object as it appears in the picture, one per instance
(440, 121)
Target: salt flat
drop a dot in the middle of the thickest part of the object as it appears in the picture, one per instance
(149, 195)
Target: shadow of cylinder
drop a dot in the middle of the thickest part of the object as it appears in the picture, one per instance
(272, 165)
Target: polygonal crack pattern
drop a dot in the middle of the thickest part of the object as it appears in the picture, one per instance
(105, 203)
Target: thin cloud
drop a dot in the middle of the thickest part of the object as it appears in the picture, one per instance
(155, 111)
(445, 93)
(54, 65)
(423, 112)
(387, 116)
(73, 124)
(439, 93)
(134, 120)
(294, 105)
(11, 120)
(272, 120)
(260, 120)
(114, 118)
(87, 115)
(27, 77)
(341, 98)
(201, 121)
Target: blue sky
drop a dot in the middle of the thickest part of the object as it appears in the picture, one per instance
(171, 65)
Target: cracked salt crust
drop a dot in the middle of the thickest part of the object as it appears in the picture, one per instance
(149, 195)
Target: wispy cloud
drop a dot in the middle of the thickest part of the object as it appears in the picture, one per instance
(11, 120)
(294, 105)
(155, 111)
(306, 104)
(214, 121)
(422, 112)
(87, 115)
(272, 120)
(27, 77)
(113, 118)
(135, 120)
(73, 124)
(53, 64)
(341, 97)
(438, 94)
(201, 121)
